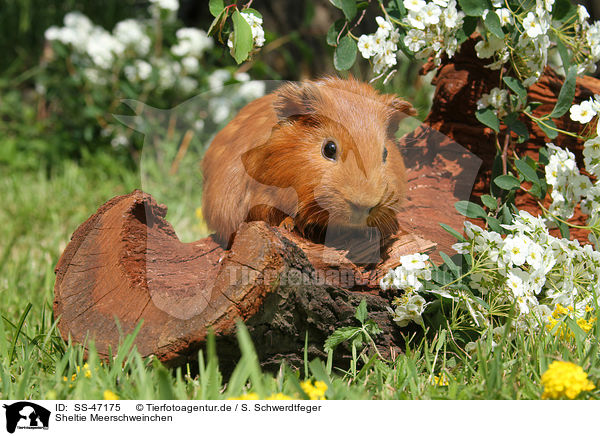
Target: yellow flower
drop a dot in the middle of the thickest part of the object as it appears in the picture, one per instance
(440, 380)
(316, 391)
(586, 325)
(248, 396)
(87, 373)
(560, 310)
(110, 396)
(565, 380)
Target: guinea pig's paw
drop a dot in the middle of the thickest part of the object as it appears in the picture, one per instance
(287, 224)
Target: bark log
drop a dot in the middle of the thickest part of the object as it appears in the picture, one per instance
(125, 264)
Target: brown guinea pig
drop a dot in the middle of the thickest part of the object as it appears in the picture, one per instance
(318, 154)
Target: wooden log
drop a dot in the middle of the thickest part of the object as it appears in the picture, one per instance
(125, 264)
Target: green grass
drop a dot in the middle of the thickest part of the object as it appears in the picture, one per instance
(40, 211)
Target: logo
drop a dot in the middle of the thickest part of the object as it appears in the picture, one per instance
(26, 415)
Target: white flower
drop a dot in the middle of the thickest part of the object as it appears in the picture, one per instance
(220, 109)
(139, 70)
(414, 5)
(416, 20)
(535, 255)
(76, 20)
(486, 49)
(191, 42)
(188, 85)
(102, 48)
(384, 27)
(190, 64)
(534, 26)
(583, 112)
(119, 141)
(515, 250)
(431, 14)
(461, 247)
(366, 46)
(498, 97)
(505, 16)
(167, 5)
(217, 78)
(131, 34)
(414, 262)
(453, 18)
(516, 280)
(94, 76)
(252, 90)
(582, 13)
(410, 309)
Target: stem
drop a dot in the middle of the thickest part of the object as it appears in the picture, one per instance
(575, 226)
(564, 132)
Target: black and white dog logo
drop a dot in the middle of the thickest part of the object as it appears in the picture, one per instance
(26, 415)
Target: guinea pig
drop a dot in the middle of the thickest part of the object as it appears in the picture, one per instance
(317, 155)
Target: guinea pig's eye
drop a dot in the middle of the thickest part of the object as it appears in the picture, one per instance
(329, 150)
(384, 154)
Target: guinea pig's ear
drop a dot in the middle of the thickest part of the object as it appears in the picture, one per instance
(399, 109)
(295, 99)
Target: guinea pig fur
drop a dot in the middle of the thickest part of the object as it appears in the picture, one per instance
(321, 153)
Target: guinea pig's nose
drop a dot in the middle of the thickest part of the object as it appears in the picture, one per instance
(360, 209)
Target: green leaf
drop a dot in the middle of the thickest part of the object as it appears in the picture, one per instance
(401, 7)
(218, 22)
(543, 158)
(494, 225)
(517, 87)
(242, 38)
(507, 182)
(528, 172)
(506, 215)
(566, 95)
(474, 8)
(334, 31)
(489, 202)
(470, 210)
(514, 124)
(441, 277)
(488, 117)
(564, 229)
(548, 127)
(467, 29)
(453, 232)
(216, 7)
(340, 335)
(361, 311)
(492, 22)
(563, 10)
(349, 9)
(563, 51)
(497, 170)
(451, 265)
(345, 54)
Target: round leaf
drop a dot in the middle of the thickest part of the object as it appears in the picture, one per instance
(345, 54)
(470, 210)
(242, 38)
(507, 182)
